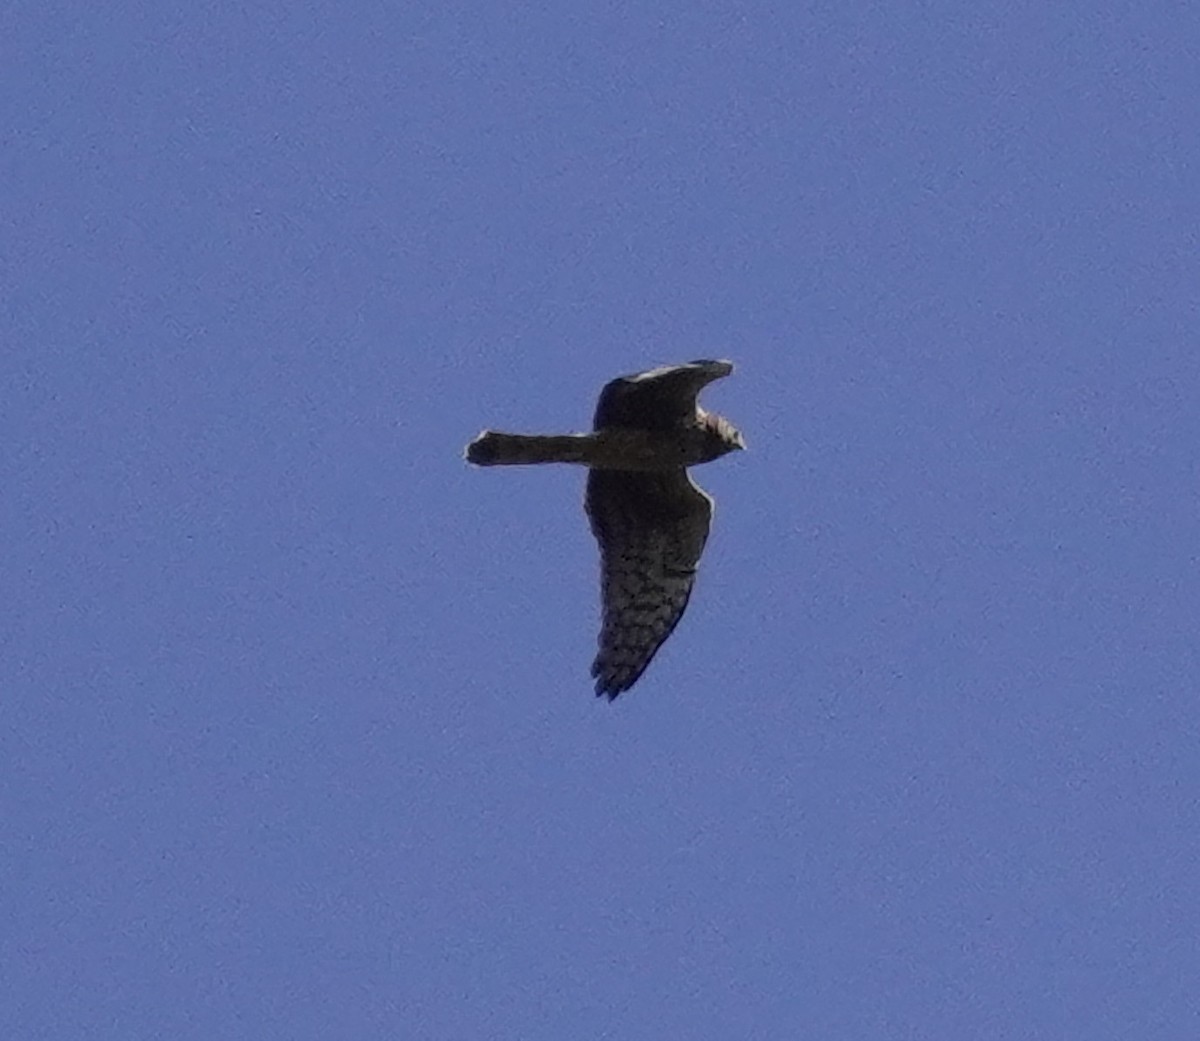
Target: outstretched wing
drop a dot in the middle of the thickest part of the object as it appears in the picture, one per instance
(659, 399)
(651, 528)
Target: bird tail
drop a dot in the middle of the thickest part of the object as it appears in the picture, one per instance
(495, 449)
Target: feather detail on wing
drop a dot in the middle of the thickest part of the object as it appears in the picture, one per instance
(651, 529)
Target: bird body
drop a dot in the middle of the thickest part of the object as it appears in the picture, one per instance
(612, 448)
(649, 518)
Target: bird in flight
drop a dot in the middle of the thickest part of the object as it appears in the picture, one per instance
(648, 515)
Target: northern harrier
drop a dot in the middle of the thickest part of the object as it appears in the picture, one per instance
(650, 518)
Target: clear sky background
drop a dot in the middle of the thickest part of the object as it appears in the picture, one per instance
(298, 738)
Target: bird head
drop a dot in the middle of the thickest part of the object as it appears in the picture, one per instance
(723, 436)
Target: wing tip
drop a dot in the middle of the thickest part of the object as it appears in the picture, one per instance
(717, 366)
(712, 368)
(614, 680)
(611, 689)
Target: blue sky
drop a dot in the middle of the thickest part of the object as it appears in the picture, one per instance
(298, 734)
